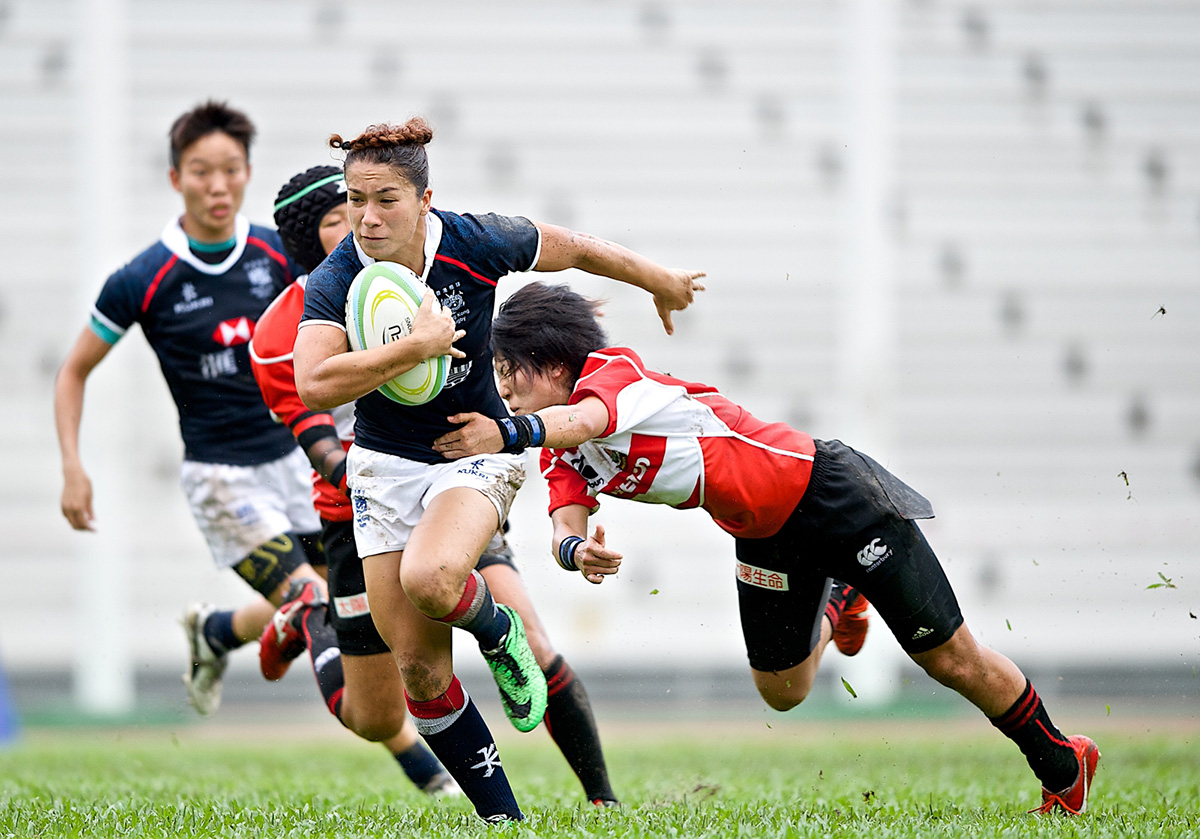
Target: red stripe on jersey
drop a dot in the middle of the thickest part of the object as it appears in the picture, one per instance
(162, 272)
(466, 268)
(312, 421)
(645, 461)
(271, 252)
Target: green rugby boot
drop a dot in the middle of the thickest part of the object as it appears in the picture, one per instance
(522, 683)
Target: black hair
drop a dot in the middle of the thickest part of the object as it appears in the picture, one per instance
(541, 326)
(205, 119)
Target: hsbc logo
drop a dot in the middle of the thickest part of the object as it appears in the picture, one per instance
(231, 333)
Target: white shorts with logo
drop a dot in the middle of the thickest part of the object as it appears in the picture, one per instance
(240, 507)
(390, 493)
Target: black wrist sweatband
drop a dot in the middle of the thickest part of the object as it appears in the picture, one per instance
(338, 476)
(521, 432)
(566, 552)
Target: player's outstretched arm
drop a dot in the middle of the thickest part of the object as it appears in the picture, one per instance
(589, 555)
(565, 426)
(673, 288)
(69, 385)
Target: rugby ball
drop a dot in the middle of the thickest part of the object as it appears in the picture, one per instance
(380, 307)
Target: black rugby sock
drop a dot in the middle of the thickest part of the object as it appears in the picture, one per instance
(1048, 752)
(570, 722)
(326, 657)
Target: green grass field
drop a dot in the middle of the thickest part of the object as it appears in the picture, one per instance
(851, 779)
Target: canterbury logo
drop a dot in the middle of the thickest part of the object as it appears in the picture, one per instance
(875, 551)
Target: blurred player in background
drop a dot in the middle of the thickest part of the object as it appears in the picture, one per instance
(421, 522)
(197, 293)
(801, 511)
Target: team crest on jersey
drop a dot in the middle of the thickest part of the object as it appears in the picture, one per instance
(262, 283)
(235, 331)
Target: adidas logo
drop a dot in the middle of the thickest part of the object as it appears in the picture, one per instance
(874, 552)
(922, 632)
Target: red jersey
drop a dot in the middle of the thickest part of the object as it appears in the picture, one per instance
(680, 443)
(271, 360)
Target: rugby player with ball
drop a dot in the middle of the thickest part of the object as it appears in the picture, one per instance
(421, 521)
(354, 669)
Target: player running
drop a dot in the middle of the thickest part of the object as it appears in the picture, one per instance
(196, 293)
(361, 685)
(421, 522)
(801, 511)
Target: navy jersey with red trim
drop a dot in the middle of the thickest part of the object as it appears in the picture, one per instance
(465, 256)
(199, 319)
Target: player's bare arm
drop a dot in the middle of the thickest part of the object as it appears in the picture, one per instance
(328, 374)
(88, 351)
(566, 427)
(673, 288)
(588, 554)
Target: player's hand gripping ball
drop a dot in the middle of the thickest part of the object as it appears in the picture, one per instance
(380, 308)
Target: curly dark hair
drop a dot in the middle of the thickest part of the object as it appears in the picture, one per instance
(400, 146)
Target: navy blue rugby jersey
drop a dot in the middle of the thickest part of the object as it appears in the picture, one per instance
(199, 319)
(465, 256)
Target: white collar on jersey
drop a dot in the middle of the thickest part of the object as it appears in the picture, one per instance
(433, 238)
(177, 242)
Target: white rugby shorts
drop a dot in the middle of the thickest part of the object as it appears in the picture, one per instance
(389, 493)
(239, 508)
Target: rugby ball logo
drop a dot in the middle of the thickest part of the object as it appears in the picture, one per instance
(380, 307)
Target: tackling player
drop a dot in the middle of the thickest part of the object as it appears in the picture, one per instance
(197, 293)
(801, 511)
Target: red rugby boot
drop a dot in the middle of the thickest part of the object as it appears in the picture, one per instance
(850, 629)
(282, 639)
(1073, 800)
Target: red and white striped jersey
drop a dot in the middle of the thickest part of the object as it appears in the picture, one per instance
(680, 443)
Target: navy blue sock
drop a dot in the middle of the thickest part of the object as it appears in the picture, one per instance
(455, 732)
(419, 764)
(476, 612)
(218, 632)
